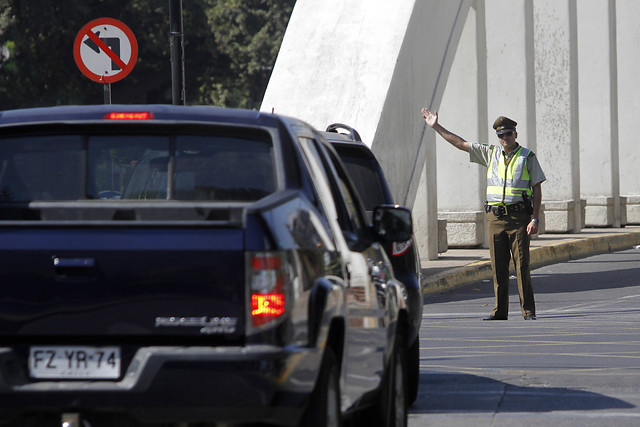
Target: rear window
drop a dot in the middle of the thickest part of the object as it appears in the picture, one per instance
(363, 171)
(136, 167)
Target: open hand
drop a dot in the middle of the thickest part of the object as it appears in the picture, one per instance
(429, 117)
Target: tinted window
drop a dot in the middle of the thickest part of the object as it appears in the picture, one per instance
(41, 168)
(363, 171)
(206, 168)
(115, 162)
(140, 167)
(349, 214)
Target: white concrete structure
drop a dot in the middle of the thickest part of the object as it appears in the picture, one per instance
(627, 41)
(563, 69)
(463, 111)
(598, 119)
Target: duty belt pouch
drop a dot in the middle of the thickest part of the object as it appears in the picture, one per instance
(528, 202)
(498, 210)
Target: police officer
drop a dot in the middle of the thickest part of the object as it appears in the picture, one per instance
(514, 195)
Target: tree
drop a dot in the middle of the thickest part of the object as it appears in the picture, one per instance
(248, 34)
(230, 48)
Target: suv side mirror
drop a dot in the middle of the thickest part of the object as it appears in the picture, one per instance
(392, 223)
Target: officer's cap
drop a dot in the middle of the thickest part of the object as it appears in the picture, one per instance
(504, 124)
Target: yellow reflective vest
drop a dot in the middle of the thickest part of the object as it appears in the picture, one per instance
(506, 183)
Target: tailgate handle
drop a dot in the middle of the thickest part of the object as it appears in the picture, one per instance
(74, 268)
(74, 262)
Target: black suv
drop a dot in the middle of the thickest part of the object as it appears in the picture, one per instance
(368, 177)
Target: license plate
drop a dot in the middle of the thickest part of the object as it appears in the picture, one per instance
(74, 362)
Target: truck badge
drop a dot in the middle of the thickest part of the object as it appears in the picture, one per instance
(208, 325)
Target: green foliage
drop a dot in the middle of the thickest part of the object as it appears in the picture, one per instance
(246, 32)
(230, 47)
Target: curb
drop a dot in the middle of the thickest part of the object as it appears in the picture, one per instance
(540, 257)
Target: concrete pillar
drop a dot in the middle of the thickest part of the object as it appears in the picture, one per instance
(599, 165)
(556, 94)
(511, 71)
(510, 67)
(420, 76)
(628, 54)
(461, 184)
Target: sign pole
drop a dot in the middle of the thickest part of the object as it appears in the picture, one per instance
(107, 93)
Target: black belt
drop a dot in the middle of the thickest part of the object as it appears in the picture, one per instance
(500, 210)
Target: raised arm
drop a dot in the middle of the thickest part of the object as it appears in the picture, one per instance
(450, 137)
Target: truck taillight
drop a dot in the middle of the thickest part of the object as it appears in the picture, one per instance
(399, 248)
(267, 282)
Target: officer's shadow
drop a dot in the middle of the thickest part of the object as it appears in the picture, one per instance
(463, 393)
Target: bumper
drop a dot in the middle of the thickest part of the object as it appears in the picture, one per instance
(170, 384)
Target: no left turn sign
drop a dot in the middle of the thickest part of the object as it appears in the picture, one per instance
(105, 50)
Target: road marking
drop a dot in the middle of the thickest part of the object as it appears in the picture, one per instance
(433, 369)
(417, 415)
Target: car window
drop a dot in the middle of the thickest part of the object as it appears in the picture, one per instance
(114, 162)
(41, 168)
(348, 197)
(364, 173)
(136, 167)
(348, 212)
(205, 168)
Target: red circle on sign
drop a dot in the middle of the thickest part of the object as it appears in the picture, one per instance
(125, 67)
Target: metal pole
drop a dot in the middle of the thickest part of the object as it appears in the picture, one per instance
(177, 51)
(107, 93)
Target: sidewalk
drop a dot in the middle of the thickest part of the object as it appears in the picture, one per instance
(458, 267)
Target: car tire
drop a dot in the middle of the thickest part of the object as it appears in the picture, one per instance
(413, 371)
(398, 387)
(324, 408)
(390, 409)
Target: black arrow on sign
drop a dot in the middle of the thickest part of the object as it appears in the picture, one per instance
(112, 42)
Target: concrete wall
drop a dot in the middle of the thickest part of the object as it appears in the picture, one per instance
(463, 111)
(598, 120)
(373, 65)
(336, 64)
(563, 69)
(556, 67)
(627, 42)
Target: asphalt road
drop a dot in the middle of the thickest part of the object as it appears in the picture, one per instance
(577, 365)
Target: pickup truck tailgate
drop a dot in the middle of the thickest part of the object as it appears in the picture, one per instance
(121, 282)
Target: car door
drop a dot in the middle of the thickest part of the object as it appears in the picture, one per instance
(368, 274)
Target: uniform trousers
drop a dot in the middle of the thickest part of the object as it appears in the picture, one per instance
(508, 239)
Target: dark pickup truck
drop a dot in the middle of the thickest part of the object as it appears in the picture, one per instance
(171, 265)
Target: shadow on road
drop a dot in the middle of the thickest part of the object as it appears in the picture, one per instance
(578, 276)
(463, 393)
(548, 283)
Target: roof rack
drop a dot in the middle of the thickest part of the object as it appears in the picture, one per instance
(352, 133)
